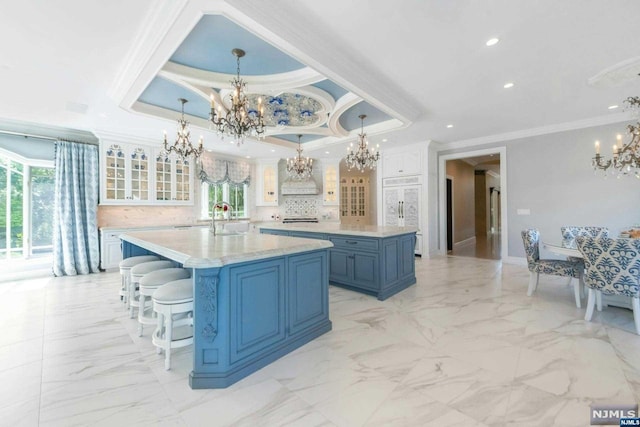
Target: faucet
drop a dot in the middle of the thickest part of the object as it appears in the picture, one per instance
(226, 207)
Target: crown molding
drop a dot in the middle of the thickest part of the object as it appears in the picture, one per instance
(617, 75)
(45, 131)
(542, 130)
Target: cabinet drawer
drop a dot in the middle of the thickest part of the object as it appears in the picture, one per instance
(355, 243)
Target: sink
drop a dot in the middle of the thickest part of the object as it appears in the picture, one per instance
(233, 227)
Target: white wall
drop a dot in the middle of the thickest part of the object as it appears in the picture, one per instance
(551, 176)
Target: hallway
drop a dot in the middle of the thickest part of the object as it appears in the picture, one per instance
(485, 247)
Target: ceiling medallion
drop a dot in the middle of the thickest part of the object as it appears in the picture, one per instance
(287, 109)
(238, 120)
(626, 158)
(299, 167)
(182, 145)
(362, 158)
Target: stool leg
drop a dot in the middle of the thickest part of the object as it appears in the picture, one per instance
(168, 338)
(141, 301)
(126, 290)
(158, 331)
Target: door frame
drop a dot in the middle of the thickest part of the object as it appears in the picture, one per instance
(452, 213)
(442, 208)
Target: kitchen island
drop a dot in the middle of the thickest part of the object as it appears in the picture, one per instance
(256, 297)
(371, 259)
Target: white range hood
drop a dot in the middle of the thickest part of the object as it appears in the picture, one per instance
(305, 187)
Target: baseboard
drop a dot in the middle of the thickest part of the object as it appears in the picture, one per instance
(465, 242)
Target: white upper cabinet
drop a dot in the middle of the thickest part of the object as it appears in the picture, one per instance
(134, 174)
(330, 178)
(402, 163)
(267, 183)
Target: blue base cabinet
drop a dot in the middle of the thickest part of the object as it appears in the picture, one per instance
(250, 314)
(378, 266)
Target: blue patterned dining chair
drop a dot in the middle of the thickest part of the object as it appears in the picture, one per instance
(555, 267)
(570, 232)
(612, 267)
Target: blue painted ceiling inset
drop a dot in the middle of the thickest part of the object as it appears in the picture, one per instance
(294, 138)
(350, 121)
(164, 93)
(209, 45)
(331, 88)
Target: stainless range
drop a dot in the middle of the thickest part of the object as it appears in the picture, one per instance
(296, 220)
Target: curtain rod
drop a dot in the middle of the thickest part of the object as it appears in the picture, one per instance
(30, 135)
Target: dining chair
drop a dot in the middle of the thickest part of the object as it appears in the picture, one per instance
(570, 232)
(554, 267)
(612, 267)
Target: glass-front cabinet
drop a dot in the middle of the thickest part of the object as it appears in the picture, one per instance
(136, 174)
(330, 188)
(267, 183)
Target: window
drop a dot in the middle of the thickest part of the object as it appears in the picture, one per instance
(234, 195)
(26, 207)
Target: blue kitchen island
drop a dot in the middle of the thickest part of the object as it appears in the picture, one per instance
(257, 297)
(375, 260)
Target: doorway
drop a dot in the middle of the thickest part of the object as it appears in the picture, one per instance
(471, 204)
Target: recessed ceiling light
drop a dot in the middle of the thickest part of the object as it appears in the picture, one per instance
(612, 107)
(248, 157)
(384, 140)
(492, 41)
(232, 142)
(449, 126)
(273, 151)
(326, 152)
(508, 85)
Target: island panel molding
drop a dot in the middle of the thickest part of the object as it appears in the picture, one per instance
(256, 297)
(373, 260)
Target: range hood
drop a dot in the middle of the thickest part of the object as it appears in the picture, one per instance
(303, 187)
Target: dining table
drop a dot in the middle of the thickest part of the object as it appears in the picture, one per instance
(568, 247)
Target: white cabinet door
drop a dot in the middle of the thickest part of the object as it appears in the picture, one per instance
(143, 175)
(402, 208)
(110, 250)
(402, 164)
(330, 178)
(267, 183)
(391, 200)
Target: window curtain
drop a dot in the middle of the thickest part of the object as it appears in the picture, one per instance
(216, 171)
(75, 232)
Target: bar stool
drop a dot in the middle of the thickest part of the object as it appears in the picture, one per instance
(149, 283)
(169, 300)
(125, 271)
(137, 272)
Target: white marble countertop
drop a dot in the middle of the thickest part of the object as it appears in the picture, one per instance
(337, 228)
(199, 248)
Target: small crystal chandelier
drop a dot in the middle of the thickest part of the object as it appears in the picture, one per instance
(182, 146)
(626, 158)
(299, 167)
(241, 119)
(363, 158)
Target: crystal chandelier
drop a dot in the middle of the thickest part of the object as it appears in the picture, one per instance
(182, 146)
(241, 119)
(299, 167)
(363, 158)
(626, 158)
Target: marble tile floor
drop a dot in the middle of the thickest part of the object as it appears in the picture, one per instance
(464, 347)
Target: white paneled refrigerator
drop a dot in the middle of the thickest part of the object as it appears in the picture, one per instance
(402, 205)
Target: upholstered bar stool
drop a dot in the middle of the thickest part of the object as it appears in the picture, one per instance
(148, 285)
(173, 303)
(137, 273)
(125, 271)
